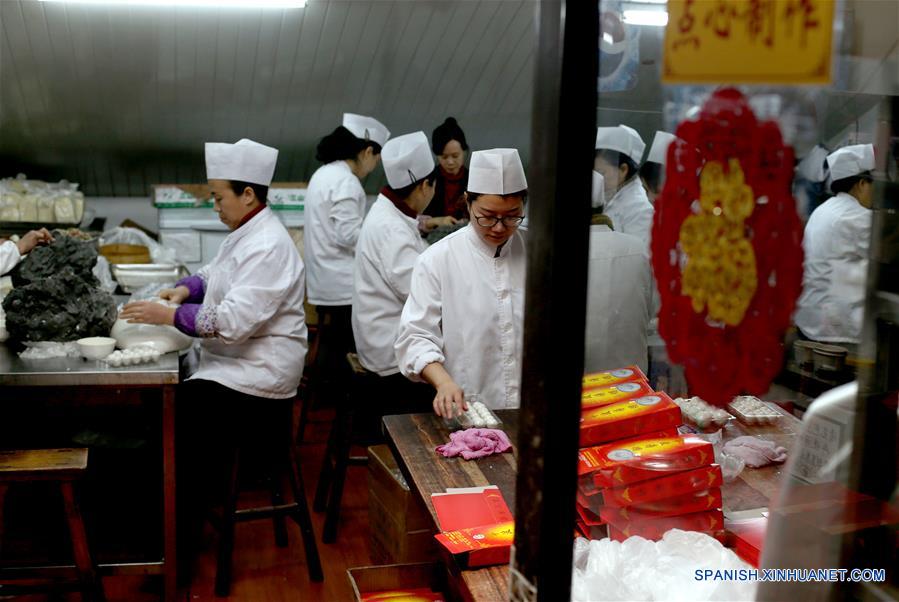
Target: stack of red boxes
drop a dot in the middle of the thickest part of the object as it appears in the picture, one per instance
(637, 475)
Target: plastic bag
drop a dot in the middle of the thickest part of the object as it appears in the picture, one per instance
(104, 275)
(42, 350)
(161, 338)
(639, 569)
(133, 236)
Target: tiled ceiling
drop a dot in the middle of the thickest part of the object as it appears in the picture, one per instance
(119, 98)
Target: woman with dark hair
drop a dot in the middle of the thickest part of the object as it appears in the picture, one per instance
(619, 151)
(389, 246)
(335, 207)
(246, 307)
(461, 328)
(448, 206)
(836, 251)
(652, 172)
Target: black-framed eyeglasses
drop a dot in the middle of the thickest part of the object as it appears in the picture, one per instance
(509, 221)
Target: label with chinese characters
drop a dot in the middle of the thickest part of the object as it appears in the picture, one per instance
(748, 41)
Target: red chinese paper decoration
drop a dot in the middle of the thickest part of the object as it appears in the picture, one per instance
(727, 249)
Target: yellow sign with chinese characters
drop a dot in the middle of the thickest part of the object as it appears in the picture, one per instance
(748, 41)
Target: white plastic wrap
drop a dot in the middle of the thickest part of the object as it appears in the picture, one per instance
(639, 569)
(104, 275)
(163, 339)
(43, 350)
(133, 236)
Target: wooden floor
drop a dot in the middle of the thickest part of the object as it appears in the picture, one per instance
(262, 571)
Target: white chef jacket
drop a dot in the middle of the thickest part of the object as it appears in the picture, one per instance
(630, 210)
(389, 245)
(252, 323)
(836, 242)
(9, 256)
(619, 301)
(335, 207)
(465, 309)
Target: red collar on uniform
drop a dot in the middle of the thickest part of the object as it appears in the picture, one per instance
(251, 215)
(399, 203)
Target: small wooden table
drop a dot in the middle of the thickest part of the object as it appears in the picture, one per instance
(413, 438)
(69, 378)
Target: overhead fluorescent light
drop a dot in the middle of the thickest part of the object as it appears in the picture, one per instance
(654, 18)
(283, 4)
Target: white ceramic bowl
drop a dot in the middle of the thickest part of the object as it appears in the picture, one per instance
(96, 348)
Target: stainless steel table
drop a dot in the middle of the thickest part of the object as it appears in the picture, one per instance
(76, 372)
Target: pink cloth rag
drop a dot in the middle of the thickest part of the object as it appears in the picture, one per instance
(475, 443)
(756, 452)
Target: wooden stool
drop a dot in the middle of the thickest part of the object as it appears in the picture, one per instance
(63, 467)
(298, 510)
(329, 490)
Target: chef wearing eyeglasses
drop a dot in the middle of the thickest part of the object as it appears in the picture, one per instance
(461, 327)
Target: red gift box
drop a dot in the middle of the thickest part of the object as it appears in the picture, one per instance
(480, 546)
(617, 535)
(655, 528)
(592, 532)
(673, 506)
(603, 396)
(628, 419)
(612, 377)
(641, 459)
(746, 537)
(681, 483)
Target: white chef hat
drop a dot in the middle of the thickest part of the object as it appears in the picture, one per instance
(407, 159)
(496, 171)
(598, 198)
(658, 152)
(366, 128)
(243, 161)
(622, 139)
(850, 161)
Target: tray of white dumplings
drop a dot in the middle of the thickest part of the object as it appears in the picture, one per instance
(132, 356)
(477, 416)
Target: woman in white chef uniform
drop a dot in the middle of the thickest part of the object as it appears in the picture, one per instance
(461, 327)
(11, 253)
(246, 307)
(619, 151)
(619, 294)
(389, 245)
(335, 208)
(836, 242)
(652, 172)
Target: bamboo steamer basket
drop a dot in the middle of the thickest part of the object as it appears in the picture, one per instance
(122, 253)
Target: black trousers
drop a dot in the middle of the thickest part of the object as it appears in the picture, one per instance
(335, 332)
(212, 421)
(379, 396)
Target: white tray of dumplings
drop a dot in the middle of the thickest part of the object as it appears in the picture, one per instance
(477, 416)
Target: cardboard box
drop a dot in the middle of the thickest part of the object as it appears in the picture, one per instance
(390, 543)
(655, 529)
(281, 195)
(673, 506)
(603, 396)
(374, 583)
(401, 528)
(628, 419)
(480, 546)
(386, 482)
(681, 483)
(620, 463)
(613, 377)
